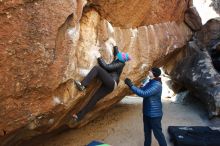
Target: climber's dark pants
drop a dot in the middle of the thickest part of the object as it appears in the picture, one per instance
(107, 87)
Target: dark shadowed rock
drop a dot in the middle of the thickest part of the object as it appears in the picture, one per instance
(197, 73)
(193, 19)
(210, 33)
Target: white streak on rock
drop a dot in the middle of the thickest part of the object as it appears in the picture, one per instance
(56, 100)
(72, 32)
(110, 28)
(83, 72)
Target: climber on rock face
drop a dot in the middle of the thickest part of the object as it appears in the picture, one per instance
(152, 106)
(109, 75)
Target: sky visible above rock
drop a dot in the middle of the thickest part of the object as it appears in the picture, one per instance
(206, 11)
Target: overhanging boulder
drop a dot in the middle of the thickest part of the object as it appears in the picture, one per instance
(46, 44)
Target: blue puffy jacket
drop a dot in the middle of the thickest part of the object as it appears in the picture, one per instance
(151, 92)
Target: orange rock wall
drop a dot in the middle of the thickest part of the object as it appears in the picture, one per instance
(136, 13)
(46, 44)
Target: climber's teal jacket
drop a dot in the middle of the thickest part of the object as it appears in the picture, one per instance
(151, 92)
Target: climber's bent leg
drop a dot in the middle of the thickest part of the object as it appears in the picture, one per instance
(99, 94)
(100, 73)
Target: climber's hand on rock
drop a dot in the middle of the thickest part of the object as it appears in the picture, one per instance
(128, 82)
(97, 54)
(111, 41)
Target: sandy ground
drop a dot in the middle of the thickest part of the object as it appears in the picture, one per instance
(122, 125)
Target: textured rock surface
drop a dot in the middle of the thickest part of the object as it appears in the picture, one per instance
(194, 69)
(196, 73)
(30, 33)
(35, 57)
(193, 19)
(44, 45)
(216, 6)
(143, 12)
(210, 32)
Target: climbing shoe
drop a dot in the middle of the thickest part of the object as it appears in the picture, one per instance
(79, 85)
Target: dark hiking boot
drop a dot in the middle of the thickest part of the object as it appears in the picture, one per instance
(79, 85)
